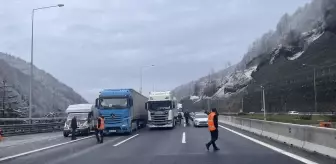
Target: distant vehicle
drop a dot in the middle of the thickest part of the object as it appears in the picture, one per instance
(293, 112)
(85, 115)
(192, 115)
(162, 110)
(181, 113)
(251, 112)
(123, 110)
(200, 119)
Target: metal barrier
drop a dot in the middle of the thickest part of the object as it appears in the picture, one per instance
(20, 129)
(20, 126)
(310, 138)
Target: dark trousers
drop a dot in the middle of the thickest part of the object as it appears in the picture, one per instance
(214, 137)
(101, 139)
(187, 120)
(73, 134)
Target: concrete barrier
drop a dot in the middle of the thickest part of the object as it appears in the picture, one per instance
(310, 138)
(256, 126)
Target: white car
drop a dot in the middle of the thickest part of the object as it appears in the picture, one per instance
(200, 120)
(293, 112)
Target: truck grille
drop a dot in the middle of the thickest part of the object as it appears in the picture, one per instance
(116, 119)
(159, 119)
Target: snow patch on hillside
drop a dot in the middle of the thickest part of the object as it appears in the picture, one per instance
(295, 56)
(240, 78)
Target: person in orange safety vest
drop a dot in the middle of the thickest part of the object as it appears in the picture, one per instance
(100, 129)
(213, 128)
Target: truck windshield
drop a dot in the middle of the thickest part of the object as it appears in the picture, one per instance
(159, 105)
(79, 116)
(114, 103)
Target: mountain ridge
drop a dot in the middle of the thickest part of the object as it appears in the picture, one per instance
(49, 94)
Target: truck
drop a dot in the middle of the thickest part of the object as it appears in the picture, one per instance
(86, 115)
(162, 110)
(123, 110)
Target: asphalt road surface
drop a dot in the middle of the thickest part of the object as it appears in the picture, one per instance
(182, 145)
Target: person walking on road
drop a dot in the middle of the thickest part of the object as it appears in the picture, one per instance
(100, 129)
(73, 127)
(186, 116)
(213, 128)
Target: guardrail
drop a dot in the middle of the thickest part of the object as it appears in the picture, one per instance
(20, 126)
(21, 129)
(310, 138)
(34, 119)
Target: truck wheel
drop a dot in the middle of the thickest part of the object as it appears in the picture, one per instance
(65, 134)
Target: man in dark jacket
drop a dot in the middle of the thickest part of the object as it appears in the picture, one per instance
(73, 128)
(213, 128)
(187, 116)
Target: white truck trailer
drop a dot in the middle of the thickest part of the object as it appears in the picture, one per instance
(162, 110)
(86, 115)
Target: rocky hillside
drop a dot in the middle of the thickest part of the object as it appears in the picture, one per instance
(282, 61)
(49, 95)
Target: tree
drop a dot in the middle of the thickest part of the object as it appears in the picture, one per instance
(197, 89)
(8, 100)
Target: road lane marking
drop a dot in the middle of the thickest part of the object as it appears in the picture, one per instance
(85, 151)
(183, 138)
(41, 149)
(125, 140)
(299, 158)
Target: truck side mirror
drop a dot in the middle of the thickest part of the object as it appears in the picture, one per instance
(130, 102)
(146, 105)
(97, 102)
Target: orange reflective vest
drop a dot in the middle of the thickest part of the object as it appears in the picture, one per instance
(102, 124)
(211, 124)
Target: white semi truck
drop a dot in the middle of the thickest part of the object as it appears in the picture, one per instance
(162, 110)
(86, 115)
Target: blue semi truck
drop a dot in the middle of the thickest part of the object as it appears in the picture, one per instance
(123, 109)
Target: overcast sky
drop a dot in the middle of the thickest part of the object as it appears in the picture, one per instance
(95, 44)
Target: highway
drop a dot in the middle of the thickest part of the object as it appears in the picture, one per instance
(182, 145)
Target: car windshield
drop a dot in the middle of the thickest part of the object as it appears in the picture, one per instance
(113, 103)
(159, 105)
(201, 116)
(79, 116)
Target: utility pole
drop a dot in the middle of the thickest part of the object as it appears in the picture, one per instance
(264, 105)
(4, 97)
(243, 104)
(315, 93)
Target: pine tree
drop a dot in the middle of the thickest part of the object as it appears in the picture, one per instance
(8, 100)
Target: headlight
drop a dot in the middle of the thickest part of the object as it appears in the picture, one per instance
(124, 123)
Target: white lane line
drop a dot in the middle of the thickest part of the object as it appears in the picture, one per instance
(183, 137)
(41, 149)
(125, 140)
(91, 149)
(299, 158)
(184, 123)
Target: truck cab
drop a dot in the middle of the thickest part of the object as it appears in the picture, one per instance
(120, 109)
(85, 115)
(162, 110)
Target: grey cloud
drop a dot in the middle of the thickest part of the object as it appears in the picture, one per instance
(96, 44)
